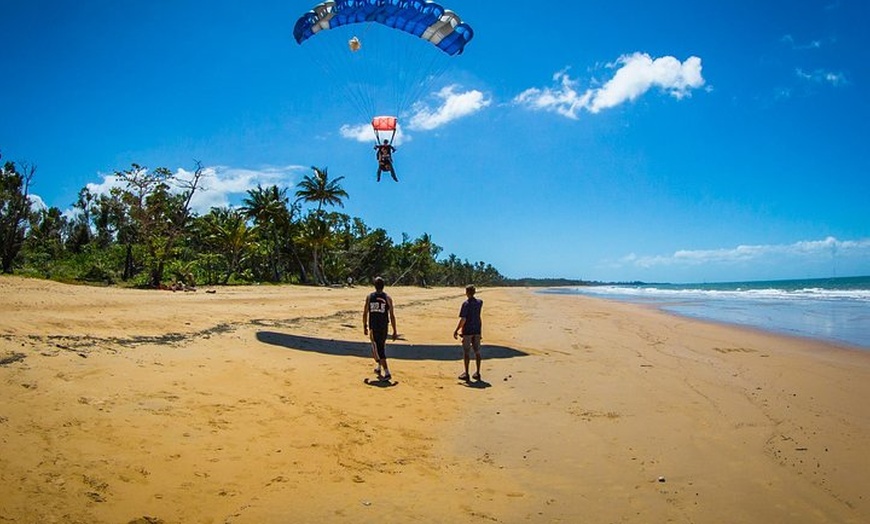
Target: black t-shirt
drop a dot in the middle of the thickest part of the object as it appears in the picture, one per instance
(379, 311)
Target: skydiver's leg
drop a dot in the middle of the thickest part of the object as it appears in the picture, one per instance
(393, 173)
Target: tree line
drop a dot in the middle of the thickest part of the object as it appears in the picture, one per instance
(145, 233)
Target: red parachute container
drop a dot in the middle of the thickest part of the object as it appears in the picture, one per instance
(384, 123)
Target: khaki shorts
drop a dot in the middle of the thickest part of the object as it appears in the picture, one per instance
(471, 341)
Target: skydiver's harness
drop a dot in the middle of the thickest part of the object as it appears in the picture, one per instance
(385, 157)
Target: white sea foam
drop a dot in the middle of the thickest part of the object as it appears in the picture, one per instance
(860, 295)
(833, 314)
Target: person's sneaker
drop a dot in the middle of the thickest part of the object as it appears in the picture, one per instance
(378, 371)
(476, 376)
(388, 377)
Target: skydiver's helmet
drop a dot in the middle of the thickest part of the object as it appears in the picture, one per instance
(354, 44)
(386, 142)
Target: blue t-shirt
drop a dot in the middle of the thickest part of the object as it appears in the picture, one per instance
(470, 311)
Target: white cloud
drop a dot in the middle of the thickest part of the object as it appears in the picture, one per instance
(453, 106)
(639, 73)
(365, 134)
(636, 74)
(822, 76)
(812, 44)
(104, 187)
(563, 99)
(818, 249)
(221, 185)
(36, 202)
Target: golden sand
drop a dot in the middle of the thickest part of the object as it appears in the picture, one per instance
(258, 404)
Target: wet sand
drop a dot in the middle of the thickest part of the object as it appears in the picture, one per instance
(258, 404)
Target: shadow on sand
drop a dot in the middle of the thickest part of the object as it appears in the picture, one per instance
(380, 383)
(476, 384)
(399, 351)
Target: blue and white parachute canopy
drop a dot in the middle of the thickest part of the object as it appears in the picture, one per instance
(426, 20)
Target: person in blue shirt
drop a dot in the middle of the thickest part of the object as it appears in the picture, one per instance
(470, 328)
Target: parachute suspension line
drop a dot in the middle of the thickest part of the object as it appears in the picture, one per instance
(371, 45)
(378, 136)
(409, 52)
(337, 62)
(360, 95)
(420, 88)
(390, 72)
(387, 72)
(364, 87)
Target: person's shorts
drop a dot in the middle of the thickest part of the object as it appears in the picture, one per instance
(471, 341)
(379, 341)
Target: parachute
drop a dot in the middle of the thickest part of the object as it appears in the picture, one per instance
(382, 56)
(427, 20)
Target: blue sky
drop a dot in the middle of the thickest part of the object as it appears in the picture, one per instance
(627, 140)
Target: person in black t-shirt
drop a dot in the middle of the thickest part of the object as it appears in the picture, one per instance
(378, 315)
(385, 159)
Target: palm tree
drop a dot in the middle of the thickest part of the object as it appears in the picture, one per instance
(421, 255)
(227, 233)
(265, 205)
(317, 187)
(268, 208)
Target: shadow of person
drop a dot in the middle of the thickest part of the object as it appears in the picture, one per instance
(395, 351)
(380, 383)
(476, 384)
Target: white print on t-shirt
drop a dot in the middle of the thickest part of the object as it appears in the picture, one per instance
(377, 307)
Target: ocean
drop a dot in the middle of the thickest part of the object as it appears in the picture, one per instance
(831, 309)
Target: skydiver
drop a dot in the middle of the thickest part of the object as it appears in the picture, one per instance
(385, 159)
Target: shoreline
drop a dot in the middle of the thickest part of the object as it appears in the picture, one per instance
(714, 310)
(830, 342)
(251, 405)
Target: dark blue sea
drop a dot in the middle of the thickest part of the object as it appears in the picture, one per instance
(833, 309)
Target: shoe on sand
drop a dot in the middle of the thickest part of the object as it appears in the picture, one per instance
(463, 376)
(476, 376)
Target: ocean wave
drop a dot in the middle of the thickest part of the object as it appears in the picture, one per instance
(658, 293)
(834, 313)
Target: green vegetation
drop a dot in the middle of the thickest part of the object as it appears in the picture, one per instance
(145, 233)
(546, 282)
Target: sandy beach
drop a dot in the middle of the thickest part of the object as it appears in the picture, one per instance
(258, 405)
